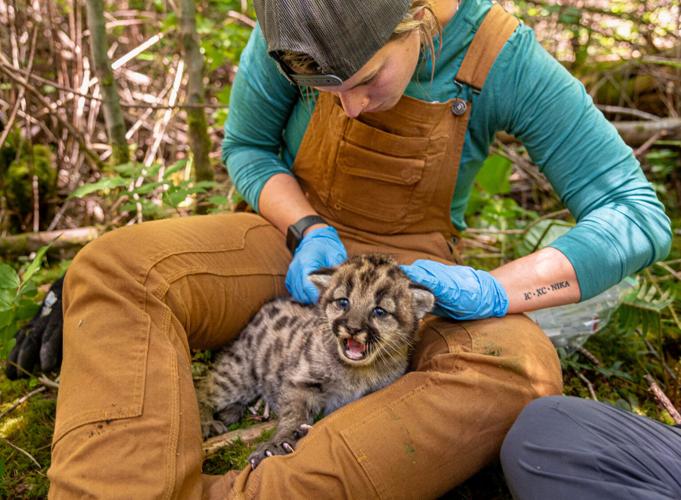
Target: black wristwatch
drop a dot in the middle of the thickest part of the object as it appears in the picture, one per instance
(295, 231)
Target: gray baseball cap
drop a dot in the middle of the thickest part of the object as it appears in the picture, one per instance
(340, 35)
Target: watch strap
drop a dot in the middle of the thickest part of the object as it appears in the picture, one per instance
(294, 234)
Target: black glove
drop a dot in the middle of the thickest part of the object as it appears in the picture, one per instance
(40, 341)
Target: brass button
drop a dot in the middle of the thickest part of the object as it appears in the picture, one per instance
(459, 107)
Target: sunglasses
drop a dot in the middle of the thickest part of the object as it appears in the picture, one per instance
(327, 80)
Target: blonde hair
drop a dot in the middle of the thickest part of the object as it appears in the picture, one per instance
(420, 16)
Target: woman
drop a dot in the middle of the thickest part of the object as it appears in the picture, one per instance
(383, 159)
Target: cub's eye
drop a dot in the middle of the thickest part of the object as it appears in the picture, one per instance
(343, 303)
(379, 312)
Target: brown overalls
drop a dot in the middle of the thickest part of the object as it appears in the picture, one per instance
(137, 299)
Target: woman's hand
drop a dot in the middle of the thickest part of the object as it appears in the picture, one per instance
(461, 292)
(319, 248)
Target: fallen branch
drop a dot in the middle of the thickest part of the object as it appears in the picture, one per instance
(214, 444)
(637, 133)
(48, 382)
(627, 111)
(589, 386)
(589, 355)
(22, 451)
(61, 239)
(662, 399)
(634, 133)
(21, 400)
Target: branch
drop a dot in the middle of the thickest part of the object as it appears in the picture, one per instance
(662, 399)
(63, 239)
(215, 444)
(21, 400)
(22, 451)
(38, 95)
(606, 108)
(636, 133)
(133, 105)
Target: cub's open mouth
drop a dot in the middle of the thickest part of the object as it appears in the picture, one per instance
(354, 350)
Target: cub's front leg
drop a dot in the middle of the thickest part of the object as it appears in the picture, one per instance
(297, 408)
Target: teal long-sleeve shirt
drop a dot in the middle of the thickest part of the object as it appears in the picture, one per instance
(621, 225)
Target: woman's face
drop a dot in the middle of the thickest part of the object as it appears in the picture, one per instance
(380, 83)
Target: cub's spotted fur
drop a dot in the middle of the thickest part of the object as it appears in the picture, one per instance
(304, 360)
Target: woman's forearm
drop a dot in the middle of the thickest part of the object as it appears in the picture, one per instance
(542, 279)
(283, 203)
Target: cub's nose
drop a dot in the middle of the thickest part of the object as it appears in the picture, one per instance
(353, 330)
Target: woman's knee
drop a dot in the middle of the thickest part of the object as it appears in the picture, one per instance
(536, 418)
(509, 348)
(103, 259)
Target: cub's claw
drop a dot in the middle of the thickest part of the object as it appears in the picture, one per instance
(301, 431)
(271, 449)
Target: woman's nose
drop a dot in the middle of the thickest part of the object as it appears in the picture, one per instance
(353, 103)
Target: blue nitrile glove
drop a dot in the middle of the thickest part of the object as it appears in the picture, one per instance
(461, 292)
(319, 248)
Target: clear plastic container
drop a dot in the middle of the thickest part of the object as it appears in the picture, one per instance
(570, 325)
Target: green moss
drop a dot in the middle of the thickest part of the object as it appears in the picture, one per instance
(29, 427)
(19, 162)
(233, 457)
(19, 182)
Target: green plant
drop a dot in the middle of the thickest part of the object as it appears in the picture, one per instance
(17, 299)
(151, 193)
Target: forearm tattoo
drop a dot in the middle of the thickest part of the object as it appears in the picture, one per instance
(544, 290)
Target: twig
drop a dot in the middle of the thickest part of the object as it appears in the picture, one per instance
(528, 168)
(136, 51)
(36, 202)
(214, 444)
(589, 386)
(38, 95)
(22, 91)
(671, 305)
(662, 399)
(22, 400)
(22, 451)
(160, 128)
(92, 97)
(627, 111)
(668, 268)
(649, 143)
(589, 355)
(243, 19)
(54, 384)
(653, 351)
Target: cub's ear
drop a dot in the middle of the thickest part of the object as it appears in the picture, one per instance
(321, 278)
(422, 298)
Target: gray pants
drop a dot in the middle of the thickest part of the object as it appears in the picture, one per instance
(576, 449)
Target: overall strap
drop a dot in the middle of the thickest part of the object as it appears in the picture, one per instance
(493, 33)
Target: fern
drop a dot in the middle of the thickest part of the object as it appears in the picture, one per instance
(643, 308)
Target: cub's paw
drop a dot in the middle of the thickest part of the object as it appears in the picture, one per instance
(212, 428)
(278, 446)
(269, 449)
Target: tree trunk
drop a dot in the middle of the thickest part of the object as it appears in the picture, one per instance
(196, 116)
(115, 125)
